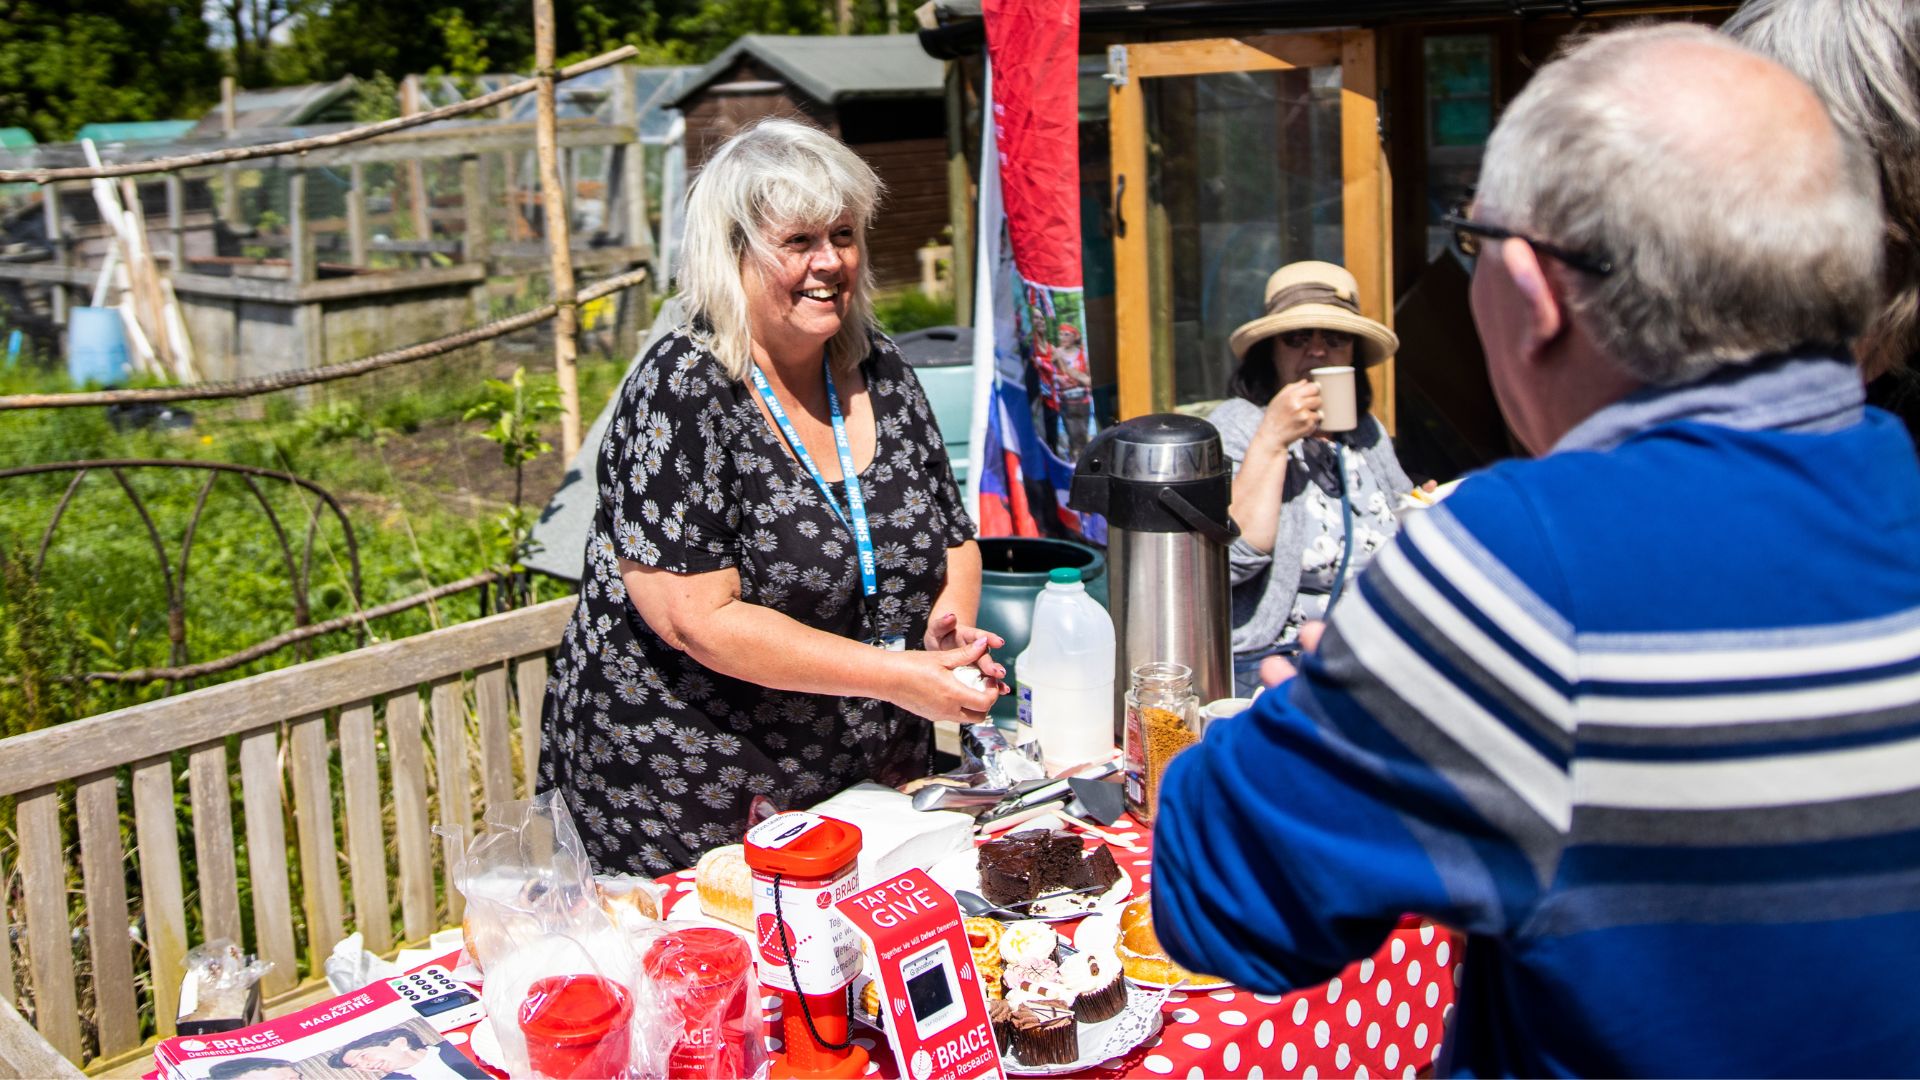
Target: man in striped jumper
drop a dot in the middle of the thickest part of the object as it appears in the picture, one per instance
(1640, 716)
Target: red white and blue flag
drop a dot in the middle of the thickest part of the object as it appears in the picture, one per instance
(1033, 406)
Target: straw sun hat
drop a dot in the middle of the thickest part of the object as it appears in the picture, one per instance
(1316, 295)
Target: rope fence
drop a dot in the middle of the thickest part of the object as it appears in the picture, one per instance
(315, 142)
(267, 384)
(301, 633)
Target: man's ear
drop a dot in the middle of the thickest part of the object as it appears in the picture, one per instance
(1545, 319)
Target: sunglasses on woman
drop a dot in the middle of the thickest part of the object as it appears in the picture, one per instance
(1299, 339)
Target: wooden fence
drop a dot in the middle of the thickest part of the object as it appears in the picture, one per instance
(369, 772)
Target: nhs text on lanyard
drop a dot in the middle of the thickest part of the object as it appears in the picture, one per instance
(856, 501)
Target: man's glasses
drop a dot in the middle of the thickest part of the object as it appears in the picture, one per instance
(1467, 234)
(1299, 339)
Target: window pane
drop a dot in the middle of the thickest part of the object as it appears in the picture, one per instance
(1459, 89)
(1244, 177)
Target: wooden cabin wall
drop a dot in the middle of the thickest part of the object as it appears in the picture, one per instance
(713, 118)
(905, 142)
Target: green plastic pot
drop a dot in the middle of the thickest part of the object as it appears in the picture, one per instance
(1014, 570)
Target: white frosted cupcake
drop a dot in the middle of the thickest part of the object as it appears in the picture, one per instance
(1098, 933)
(1099, 993)
(1028, 939)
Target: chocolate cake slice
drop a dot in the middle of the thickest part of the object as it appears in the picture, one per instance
(1009, 869)
(1061, 864)
(1100, 868)
(1031, 864)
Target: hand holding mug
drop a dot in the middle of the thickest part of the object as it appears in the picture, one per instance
(1294, 412)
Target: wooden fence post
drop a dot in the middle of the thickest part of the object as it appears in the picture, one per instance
(230, 176)
(633, 164)
(559, 233)
(357, 215)
(476, 245)
(959, 194)
(57, 241)
(416, 172)
(176, 224)
(300, 268)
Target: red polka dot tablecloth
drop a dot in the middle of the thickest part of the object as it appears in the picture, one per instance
(1383, 1016)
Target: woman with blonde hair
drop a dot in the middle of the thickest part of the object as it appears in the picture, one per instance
(775, 501)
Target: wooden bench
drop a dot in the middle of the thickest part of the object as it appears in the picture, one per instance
(338, 751)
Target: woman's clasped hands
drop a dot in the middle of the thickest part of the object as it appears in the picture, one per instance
(924, 682)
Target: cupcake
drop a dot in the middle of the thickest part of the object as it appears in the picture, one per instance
(1028, 939)
(1000, 1015)
(1099, 991)
(1044, 1034)
(1098, 933)
(1033, 979)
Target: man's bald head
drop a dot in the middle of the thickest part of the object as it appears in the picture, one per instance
(1730, 110)
(1740, 219)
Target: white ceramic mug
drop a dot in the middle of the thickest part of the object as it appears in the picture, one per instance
(1338, 410)
(1225, 708)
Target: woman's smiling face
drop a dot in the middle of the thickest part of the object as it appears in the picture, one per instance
(798, 299)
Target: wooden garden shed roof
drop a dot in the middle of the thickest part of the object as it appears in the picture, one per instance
(832, 69)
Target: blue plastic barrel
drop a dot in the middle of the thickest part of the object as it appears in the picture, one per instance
(96, 347)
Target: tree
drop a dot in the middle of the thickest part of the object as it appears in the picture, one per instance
(64, 63)
(359, 37)
(713, 24)
(467, 37)
(249, 28)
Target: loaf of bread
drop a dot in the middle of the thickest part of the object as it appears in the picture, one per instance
(725, 885)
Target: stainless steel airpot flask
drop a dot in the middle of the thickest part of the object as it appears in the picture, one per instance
(1163, 484)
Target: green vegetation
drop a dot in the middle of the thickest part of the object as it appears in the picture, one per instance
(427, 495)
(911, 309)
(517, 410)
(65, 64)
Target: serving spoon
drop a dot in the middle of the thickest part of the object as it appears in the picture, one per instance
(974, 904)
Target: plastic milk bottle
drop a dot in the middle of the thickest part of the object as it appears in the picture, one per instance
(1066, 673)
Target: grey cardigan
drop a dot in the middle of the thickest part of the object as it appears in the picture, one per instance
(1264, 583)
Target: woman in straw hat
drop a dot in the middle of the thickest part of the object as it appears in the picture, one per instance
(1304, 529)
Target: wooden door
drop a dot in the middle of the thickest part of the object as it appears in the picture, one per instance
(1232, 157)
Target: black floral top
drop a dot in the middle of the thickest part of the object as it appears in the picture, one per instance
(659, 757)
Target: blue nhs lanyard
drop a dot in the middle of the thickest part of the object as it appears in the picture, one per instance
(856, 502)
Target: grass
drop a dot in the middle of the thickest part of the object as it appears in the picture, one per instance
(911, 309)
(419, 487)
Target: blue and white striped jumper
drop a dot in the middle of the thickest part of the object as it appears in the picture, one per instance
(1641, 717)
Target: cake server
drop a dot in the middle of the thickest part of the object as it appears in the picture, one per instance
(938, 797)
(1044, 794)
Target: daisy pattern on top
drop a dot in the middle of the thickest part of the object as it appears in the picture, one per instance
(660, 757)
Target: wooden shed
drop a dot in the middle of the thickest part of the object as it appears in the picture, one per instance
(881, 94)
(1236, 136)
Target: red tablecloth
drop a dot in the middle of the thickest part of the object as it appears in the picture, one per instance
(1382, 1016)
